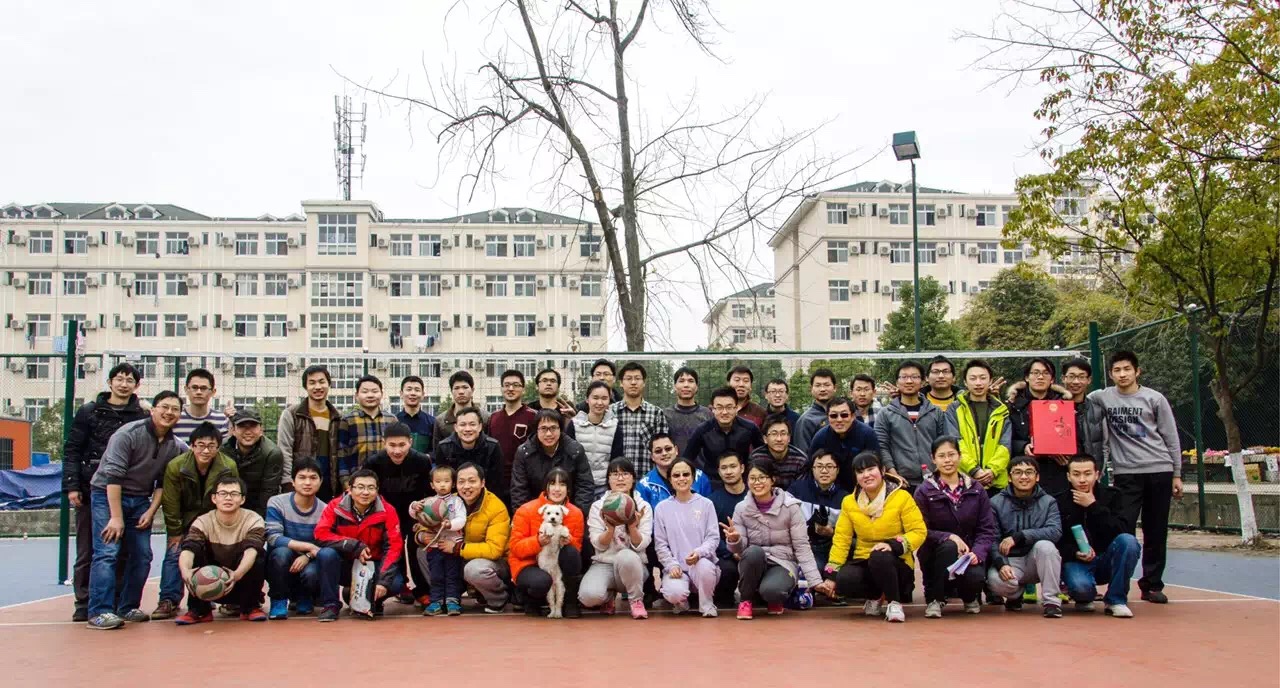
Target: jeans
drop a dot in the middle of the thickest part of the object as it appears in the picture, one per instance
(883, 573)
(1115, 565)
(171, 587)
(1148, 495)
(283, 584)
(84, 552)
(102, 573)
(445, 572)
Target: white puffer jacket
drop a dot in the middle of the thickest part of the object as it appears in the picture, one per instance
(602, 442)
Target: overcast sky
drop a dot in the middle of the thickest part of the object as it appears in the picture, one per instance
(231, 113)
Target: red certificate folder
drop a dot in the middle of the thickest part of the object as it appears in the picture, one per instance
(1053, 427)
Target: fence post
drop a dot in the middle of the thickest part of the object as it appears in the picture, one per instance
(1095, 357)
(177, 375)
(68, 413)
(1193, 323)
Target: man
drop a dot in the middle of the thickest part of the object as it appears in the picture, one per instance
(776, 394)
(258, 460)
(638, 420)
(844, 438)
(420, 421)
(404, 476)
(92, 427)
(230, 537)
(740, 378)
(551, 449)
(361, 526)
(725, 433)
(603, 369)
(1037, 384)
(907, 427)
(654, 487)
(189, 483)
(1077, 378)
(364, 427)
(984, 429)
(942, 383)
(786, 457)
(461, 390)
(1142, 443)
(469, 444)
(686, 414)
(822, 386)
(294, 561)
(200, 391)
(1113, 551)
(512, 424)
(732, 490)
(820, 496)
(1029, 524)
(484, 540)
(126, 496)
(862, 392)
(309, 430)
(548, 387)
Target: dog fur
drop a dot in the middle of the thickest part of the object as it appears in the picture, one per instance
(549, 556)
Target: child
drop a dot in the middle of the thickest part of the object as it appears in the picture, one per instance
(438, 545)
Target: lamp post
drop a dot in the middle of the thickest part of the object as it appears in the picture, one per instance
(906, 147)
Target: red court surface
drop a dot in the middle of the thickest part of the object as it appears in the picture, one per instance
(1201, 638)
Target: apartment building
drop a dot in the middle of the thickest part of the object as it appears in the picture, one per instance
(259, 298)
(744, 321)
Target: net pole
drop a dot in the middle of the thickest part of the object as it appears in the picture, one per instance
(1193, 322)
(68, 413)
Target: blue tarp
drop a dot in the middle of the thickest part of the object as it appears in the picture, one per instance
(38, 487)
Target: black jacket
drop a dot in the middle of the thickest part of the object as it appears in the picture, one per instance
(529, 472)
(260, 469)
(1103, 521)
(708, 443)
(93, 425)
(487, 454)
(403, 483)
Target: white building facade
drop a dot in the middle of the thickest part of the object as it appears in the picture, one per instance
(746, 321)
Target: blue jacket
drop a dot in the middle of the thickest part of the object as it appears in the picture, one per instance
(791, 415)
(861, 437)
(725, 503)
(423, 427)
(820, 507)
(654, 488)
(709, 442)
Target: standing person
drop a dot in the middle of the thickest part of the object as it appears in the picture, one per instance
(232, 538)
(201, 390)
(686, 535)
(960, 522)
(404, 477)
(92, 427)
(1029, 527)
(309, 430)
(1146, 461)
(985, 431)
(732, 489)
(907, 427)
(822, 387)
(548, 386)
(1038, 383)
(360, 525)
(619, 562)
(294, 560)
(686, 414)
(1113, 552)
(787, 458)
(655, 486)
(942, 383)
(469, 444)
(596, 429)
(511, 425)
(532, 582)
(603, 370)
(862, 392)
(462, 387)
(820, 497)
(1077, 378)
(364, 427)
(777, 394)
(438, 555)
(844, 438)
(638, 420)
(258, 460)
(740, 378)
(420, 421)
(724, 433)
(127, 492)
(550, 449)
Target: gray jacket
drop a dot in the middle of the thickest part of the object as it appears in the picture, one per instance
(135, 460)
(808, 424)
(905, 446)
(1027, 521)
(782, 531)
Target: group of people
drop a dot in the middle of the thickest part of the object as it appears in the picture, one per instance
(735, 504)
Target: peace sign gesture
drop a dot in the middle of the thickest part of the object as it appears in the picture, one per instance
(730, 533)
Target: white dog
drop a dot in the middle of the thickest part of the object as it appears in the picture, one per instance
(549, 556)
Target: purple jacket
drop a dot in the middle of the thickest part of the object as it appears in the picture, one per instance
(971, 519)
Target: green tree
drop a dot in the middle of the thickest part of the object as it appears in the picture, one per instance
(1010, 314)
(712, 374)
(269, 412)
(936, 332)
(46, 434)
(1079, 304)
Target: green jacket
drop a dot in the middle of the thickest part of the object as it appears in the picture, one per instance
(997, 436)
(260, 468)
(183, 500)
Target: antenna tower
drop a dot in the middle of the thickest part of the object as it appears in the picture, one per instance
(348, 137)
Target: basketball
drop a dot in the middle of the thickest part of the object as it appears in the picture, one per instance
(209, 582)
(618, 509)
(434, 511)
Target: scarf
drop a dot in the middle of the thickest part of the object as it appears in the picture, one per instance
(873, 508)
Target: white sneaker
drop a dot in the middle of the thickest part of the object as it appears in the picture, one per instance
(933, 610)
(974, 607)
(895, 614)
(1120, 611)
(873, 608)
(709, 611)
(1084, 606)
(680, 607)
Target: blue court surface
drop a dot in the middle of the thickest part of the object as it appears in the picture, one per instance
(29, 570)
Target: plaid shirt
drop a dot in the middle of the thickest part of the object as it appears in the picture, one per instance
(360, 436)
(637, 427)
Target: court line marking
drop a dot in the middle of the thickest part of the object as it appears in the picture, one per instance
(1221, 592)
(55, 597)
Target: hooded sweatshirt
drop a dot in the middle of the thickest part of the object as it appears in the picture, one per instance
(1027, 520)
(680, 528)
(1141, 434)
(905, 445)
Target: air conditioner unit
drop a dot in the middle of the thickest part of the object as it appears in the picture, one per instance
(886, 290)
(446, 284)
(751, 334)
(382, 243)
(293, 282)
(944, 250)
(380, 364)
(19, 239)
(446, 325)
(192, 244)
(227, 241)
(381, 324)
(478, 284)
(540, 243)
(855, 288)
(193, 281)
(291, 325)
(90, 281)
(90, 365)
(446, 244)
(126, 240)
(126, 281)
(884, 212)
(884, 250)
(14, 410)
(573, 282)
(291, 365)
(971, 213)
(941, 211)
(973, 251)
(193, 324)
(479, 325)
(227, 364)
(854, 212)
(542, 284)
(91, 324)
(227, 282)
(855, 250)
(91, 240)
(292, 242)
(573, 323)
(975, 290)
(19, 282)
(382, 282)
(125, 324)
(16, 365)
(479, 246)
(17, 323)
(226, 324)
(542, 325)
(594, 257)
(857, 328)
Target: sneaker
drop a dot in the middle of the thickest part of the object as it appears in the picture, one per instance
(1084, 606)
(104, 622)
(1029, 593)
(1013, 604)
(379, 609)
(838, 602)
(80, 615)
(228, 610)
(709, 611)
(680, 607)
(164, 610)
(490, 609)
(190, 618)
(872, 608)
(279, 610)
(1155, 596)
(421, 603)
(774, 609)
(136, 616)
(638, 611)
(994, 599)
(405, 598)
(893, 612)
(255, 614)
(329, 613)
(453, 608)
(305, 607)
(974, 607)
(1053, 611)
(434, 609)
(574, 610)
(933, 610)
(609, 607)
(1120, 611)
(744, 610)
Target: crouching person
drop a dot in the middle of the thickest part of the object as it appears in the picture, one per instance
(362, 527)
(1029, 524)
(230, 537)
(294, 560)
(1109, 552)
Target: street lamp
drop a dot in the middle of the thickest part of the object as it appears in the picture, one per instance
(906, 147)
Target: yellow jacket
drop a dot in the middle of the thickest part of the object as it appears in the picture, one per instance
(900, 519)
(487, 530)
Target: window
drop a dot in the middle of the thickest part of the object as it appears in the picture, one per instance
(275, 366)
(837, 252)
(40, 242)
(429, 245)
(429, 326)
(591, 326)
(1071, 205)
(402, 325)
(738, 310)
(68, 317)
(897, 286)
(590, 285)
(589, 244)
(246, 284)
(839, 289)
(246, 366)
(927, 214)
(1004, 213)
(899, 252)
(841, 329)
(495, 325)
(175, 325)
(336, 331)
(246, 243)
(276, 283)
(38, 324)
(402, 244)
(337, 234)
(75, 241)
(987, 254)
(428, 285)
(147, 244)
(31, 410)
(275, 325)
(524, 285)
(399, 367)
(986, 216)
(898, 213)
(400, 284)
(1014, 255)
(277, 244)
(738, 335)
(176, 243)
(338, 289)
(495, 245)
(526, 325)
(145, 325)
(495, 285)
(523, 245)
(837, 213)
(6, 446)
(73, 283)
(39, 283)
(146, 283)
(246, 325)
(928, 252)
(984, 285)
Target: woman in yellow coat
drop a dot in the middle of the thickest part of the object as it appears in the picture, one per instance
(883, 517)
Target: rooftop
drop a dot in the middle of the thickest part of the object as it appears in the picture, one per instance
(117, 210)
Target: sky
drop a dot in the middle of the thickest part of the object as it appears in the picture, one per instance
(230, 113)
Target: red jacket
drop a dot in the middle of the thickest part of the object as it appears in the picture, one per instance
(379, 530)
(524, 545)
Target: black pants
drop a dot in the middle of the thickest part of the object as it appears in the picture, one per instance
(728, 583)
(880, 574)
(934, 562)
(1148, 495)
(534, 583)
(1053, 477)
(247, 593)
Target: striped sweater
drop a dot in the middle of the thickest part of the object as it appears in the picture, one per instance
(186, 424)
(225, 544)
(286, 523)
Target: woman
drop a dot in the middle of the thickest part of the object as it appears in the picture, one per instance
(886, 522)
(596, 429)
(958, 514)
(532, 582)
(619, 562)
(687, 535)
(769, 532)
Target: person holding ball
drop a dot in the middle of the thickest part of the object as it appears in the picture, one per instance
(230, 537)
(620, 561)
(687, 535)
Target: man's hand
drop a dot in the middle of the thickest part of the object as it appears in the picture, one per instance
(1062, 459)
(996, 384)
(1006, 545)
(379, 591)
(1084, 499)
(675, 572)
(365, 555)
(1087, 557)
(1006, 573)
(824, 531)
(1177, 487)
(961, 547)
(73, 498)
(114, 530)
(692, 558)
(173, 541)
(299, 562)
(144, 521)
(1030, 449)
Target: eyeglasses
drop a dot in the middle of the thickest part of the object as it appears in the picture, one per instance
(547, 380)
(199, 388)
(364, 488)
(204, 447)
(548, 429)
(169, 408)
(1073, 377)
(512, 385)
(720, 408)
(1039, 373)
(223, 494)
(663, 450)
(758, 478)
(1023, 474)
(777, 433)
(908, 378)
(824, 467)
(838, 416)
